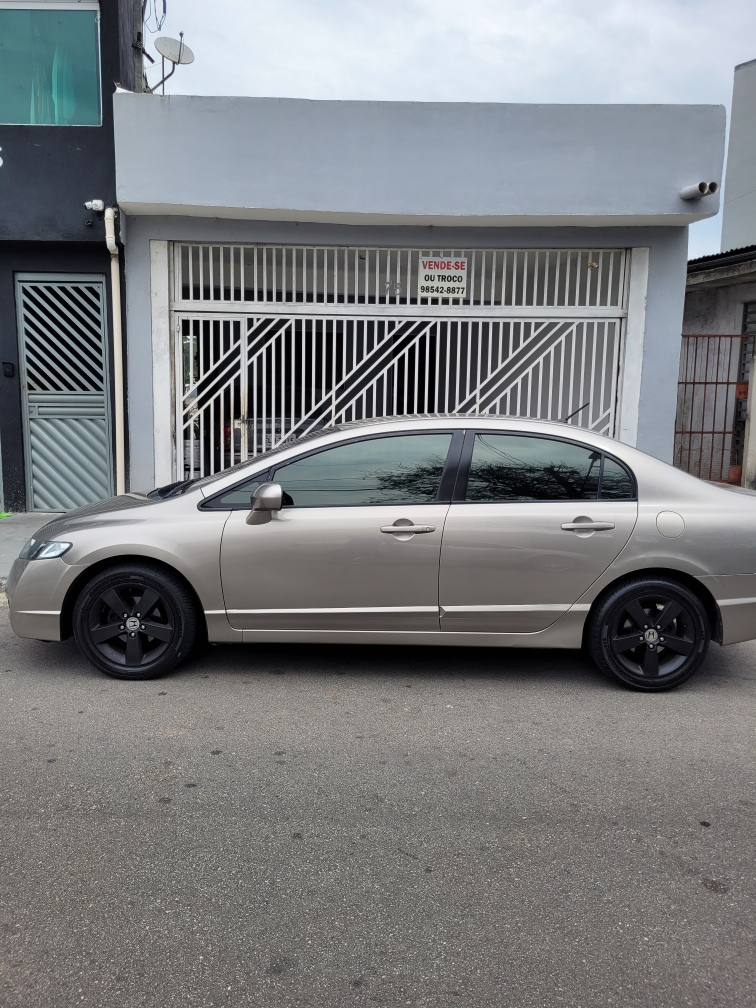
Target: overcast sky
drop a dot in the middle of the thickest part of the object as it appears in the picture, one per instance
(465, 50)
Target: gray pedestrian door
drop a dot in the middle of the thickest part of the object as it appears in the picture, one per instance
(64, 387)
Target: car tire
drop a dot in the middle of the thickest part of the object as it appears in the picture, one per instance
(650, 633)
(135, 621)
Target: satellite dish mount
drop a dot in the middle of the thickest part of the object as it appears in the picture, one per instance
(176, 53)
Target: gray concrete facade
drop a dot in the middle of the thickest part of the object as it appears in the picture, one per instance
(411, 162)
(408, 175)
(739, 205)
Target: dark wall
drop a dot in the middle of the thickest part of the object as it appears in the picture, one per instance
(30, 258)
(46, 176)
(49, 172)
(129, 18)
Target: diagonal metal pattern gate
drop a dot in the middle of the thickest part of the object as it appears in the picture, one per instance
(64, 385)
(251, 379)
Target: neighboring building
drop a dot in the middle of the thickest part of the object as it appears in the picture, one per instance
(59, 63)
(720, 317)
(719, 325)
(739, 203)
(282, 266)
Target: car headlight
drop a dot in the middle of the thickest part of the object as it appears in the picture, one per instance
(35, 549)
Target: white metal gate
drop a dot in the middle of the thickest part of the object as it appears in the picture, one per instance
(275, 342)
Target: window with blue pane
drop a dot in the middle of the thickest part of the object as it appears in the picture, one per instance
(49, 66)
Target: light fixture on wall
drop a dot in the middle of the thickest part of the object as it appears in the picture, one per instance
(698, 190)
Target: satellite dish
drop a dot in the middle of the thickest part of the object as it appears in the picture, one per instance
(174, 51)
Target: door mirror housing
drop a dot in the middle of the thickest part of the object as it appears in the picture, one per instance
(268, 497)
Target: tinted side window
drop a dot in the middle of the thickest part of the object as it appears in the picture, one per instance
(510, 467)
(404, 469)
(616, 482)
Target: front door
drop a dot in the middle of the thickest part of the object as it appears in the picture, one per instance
(538, 521)
(356, 546)
(65, 390)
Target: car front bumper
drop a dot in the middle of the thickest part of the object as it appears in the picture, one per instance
(36, 592)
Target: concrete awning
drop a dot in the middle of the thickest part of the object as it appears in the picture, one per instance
(404, 163)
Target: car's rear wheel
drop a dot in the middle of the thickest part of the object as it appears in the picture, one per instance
(652, 633)
(135, 621)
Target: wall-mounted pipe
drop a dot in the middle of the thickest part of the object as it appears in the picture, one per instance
(118, 396)
(698, 190)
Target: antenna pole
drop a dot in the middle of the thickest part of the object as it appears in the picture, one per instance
(575, 412)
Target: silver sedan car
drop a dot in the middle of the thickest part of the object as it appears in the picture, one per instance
(479, 531)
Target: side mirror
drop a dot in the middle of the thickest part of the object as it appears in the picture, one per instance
(268, 497)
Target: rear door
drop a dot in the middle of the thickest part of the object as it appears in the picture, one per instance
(535, 521)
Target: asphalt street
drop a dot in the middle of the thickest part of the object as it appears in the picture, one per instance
(323, 826)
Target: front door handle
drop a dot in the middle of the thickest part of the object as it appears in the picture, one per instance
(587, 526)
(408, 529)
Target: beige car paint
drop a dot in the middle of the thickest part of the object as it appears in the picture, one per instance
(333, 569)
(168, 531)
(717, 548)
(512, 568)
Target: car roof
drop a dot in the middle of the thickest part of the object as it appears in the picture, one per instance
(332, 434)
(452, 419)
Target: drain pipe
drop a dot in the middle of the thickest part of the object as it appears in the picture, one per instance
(115, 294)
(115, 289)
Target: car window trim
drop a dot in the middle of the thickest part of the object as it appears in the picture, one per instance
(212, 503)
(460, 487)
(446, 484)
(628, 470)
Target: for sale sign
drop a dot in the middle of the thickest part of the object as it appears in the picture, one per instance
(445, 278)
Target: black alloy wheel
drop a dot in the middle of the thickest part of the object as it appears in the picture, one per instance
(652, 634)
(135, 622)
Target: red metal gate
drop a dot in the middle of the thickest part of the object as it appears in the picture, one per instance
(711, 401)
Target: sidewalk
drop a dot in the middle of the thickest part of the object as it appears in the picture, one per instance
(14, 532)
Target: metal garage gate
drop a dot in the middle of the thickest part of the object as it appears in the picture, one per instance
(274, 342)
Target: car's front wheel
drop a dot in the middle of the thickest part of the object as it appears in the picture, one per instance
(135, 621)
(652, 633)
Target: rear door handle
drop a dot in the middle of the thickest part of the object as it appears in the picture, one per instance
(587, 526)
(406, 529)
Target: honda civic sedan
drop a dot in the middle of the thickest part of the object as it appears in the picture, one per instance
(478, 531)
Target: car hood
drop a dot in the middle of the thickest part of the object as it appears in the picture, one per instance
(91, 514)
